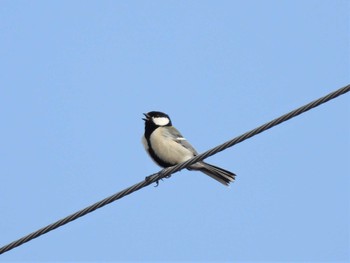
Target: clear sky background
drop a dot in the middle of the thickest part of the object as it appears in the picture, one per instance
(76, 77)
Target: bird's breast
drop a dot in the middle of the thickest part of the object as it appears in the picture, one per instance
(167, 149)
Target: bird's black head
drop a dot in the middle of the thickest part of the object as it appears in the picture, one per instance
(156, 118)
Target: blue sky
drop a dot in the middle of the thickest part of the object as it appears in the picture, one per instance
(76, 77)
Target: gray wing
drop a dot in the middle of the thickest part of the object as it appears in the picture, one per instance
(177, 137)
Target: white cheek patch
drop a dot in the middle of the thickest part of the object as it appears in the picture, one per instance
(160, 121)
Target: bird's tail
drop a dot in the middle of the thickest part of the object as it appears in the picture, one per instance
(223, 176)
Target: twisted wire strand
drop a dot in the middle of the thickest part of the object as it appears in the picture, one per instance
(168, 171)
(255, 131)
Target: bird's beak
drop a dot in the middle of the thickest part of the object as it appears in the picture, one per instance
(145, 119)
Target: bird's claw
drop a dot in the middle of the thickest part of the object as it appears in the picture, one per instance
(150, 177)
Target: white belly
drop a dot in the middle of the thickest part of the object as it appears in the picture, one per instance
(167, 149)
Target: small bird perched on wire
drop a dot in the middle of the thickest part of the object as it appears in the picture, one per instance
(167, 147)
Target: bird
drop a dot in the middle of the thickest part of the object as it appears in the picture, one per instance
(167, 147)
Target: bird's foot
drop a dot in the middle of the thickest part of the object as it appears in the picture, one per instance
(151, 177)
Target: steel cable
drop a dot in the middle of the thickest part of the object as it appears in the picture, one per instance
(168, 171)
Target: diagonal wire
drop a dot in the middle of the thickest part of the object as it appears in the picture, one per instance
(168, 171)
